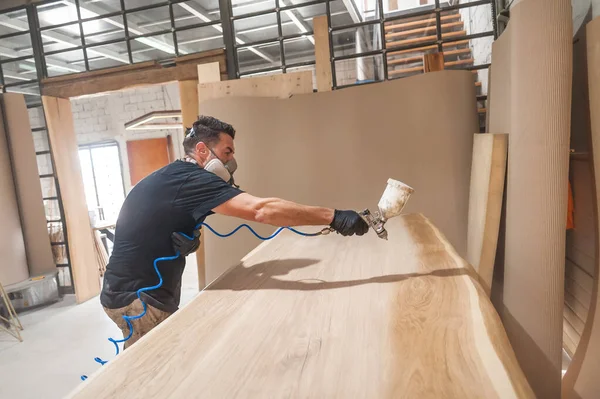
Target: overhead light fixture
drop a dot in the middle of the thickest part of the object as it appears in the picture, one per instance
(146, 122)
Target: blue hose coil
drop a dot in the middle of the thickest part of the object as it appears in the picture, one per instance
(177, 254)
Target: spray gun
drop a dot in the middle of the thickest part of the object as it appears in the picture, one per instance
(395, 196)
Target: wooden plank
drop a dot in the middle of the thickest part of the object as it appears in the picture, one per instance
(433, 62)
(581, 380)
(208, 73)
(61, 131)
(584, 280)
(425, 39)
(322, 54)
(575, 321)
(457, 51)
(460, 62)
(129, 78)
(282, 86)
(405, 70)
(444, 45)
(145, 157)
(423, 31)
(297, 310)
(568, 345)
(578, 292)
(580, 309)
(188, 98)
(28, 189)
(430, 21)
(100, 72)
(488, 169)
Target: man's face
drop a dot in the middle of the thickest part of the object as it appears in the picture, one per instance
(224, 149)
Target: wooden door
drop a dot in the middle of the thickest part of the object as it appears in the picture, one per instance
(146, 156)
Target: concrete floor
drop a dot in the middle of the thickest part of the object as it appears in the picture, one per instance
(60, 342)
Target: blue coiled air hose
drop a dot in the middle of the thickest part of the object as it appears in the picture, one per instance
(128, 319)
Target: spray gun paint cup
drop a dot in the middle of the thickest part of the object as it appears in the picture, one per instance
(394, 199)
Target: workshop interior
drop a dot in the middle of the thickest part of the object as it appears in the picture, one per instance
(464, 135)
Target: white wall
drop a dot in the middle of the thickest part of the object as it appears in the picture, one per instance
(103, 118)
(476, 20)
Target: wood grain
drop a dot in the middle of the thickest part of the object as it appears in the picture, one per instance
(145, 157)
(63, 142)
(488, 170)
(433, 62)
(322, 54)
(142, 74)
(329, 317)
(281, 86)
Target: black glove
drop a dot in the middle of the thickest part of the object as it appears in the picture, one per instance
(185, 245)
(348, 223)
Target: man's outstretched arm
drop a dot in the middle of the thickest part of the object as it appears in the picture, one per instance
(279, 212)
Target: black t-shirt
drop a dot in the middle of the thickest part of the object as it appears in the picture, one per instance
(174, 198)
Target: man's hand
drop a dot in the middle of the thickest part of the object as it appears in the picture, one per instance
(348, 223)
(185, 245)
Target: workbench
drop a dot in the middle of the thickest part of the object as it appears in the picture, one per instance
(327, 317)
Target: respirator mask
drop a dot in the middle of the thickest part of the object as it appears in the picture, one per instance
(223, 170)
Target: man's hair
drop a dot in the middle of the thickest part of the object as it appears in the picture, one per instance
(206, 129)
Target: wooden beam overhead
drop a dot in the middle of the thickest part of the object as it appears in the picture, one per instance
(129, 76)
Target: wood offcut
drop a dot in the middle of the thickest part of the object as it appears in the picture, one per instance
(329, 317)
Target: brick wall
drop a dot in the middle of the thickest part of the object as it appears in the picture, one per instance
(103, 118)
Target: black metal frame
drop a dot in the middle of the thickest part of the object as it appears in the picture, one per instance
(280, 38)
(385, 50)
(125, 39)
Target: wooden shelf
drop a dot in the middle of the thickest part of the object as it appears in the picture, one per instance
(429, 29)
(430, 21)
(460, 62)
(407, 60)
(426, 38)
(405, 70)
(424, 48)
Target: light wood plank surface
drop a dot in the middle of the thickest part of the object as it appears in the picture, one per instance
(61, 131)
(329, 317)
(488, 170)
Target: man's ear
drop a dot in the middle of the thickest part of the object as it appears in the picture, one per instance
(201, 148)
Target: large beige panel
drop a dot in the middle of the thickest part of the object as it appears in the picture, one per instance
(29, 190)
(329, 317)
(587, 384)
(81, 240)
(338, 149)
(533, 105)
(13, 266)
(488, 171)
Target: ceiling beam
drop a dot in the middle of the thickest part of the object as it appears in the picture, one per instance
(202, 15)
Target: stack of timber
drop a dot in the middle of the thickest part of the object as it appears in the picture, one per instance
(329, 317)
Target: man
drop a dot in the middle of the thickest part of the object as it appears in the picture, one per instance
(175, 199)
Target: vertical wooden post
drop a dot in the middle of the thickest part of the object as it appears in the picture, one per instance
(188, 97)
(433, 62)
(322, 53)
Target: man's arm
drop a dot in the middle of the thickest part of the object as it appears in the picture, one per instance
(278, 212)
(275, 211)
